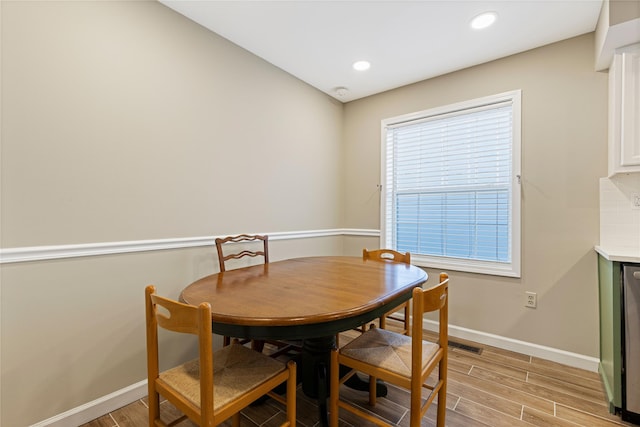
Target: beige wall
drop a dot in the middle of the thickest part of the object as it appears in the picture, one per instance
(623, 11)
(125, 121)
(564, 134)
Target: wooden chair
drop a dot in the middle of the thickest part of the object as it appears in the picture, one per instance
(217, 385)
(390, 255)
(224, 255)
(398, 359)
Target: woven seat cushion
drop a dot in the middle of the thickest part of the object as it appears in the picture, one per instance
(236, 370)
(388, 350)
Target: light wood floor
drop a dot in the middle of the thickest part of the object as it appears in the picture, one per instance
(493, 388)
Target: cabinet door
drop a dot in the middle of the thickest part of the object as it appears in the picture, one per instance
(624, 111)
(610, 331)
(630, 109)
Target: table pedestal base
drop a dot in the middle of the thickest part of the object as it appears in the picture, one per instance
(315, 361)
(315, 371)
(315, 365)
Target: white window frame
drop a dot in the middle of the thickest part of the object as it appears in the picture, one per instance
(510, 269)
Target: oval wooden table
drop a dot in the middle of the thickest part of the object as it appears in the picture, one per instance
(312, 299)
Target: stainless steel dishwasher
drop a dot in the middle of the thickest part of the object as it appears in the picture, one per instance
(631, 331)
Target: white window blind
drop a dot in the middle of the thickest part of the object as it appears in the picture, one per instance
(450, 186)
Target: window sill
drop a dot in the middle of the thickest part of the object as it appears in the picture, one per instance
(467, 266)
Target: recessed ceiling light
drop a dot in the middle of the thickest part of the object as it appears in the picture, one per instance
(361, 65)
(483, 20)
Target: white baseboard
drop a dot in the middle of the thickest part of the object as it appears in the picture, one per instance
(97, 408)
(548, 353)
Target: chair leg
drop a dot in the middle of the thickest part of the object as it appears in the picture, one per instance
(257, 345)
(226, 341)
(334, 388)
(154, 409)
(291, 394)
(407, 327)
(442, 401)
(383, 322)
(442, 409)
(372, 390)
(416, 406)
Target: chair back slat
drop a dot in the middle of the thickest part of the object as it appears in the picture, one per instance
(435, 298)
(179, 318)
(387, 255)
(222, 243)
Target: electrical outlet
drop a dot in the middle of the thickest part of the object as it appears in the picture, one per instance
(531, 299)
(635, 201)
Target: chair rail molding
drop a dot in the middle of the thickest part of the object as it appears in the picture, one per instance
(41, 253)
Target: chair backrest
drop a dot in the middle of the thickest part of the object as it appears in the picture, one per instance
(183, 318)
(435, 298)
(387, 255)
(225, 255)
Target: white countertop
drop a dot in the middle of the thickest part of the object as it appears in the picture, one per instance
(619, 255)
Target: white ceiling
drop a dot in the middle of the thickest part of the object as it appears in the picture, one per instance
(405, 41)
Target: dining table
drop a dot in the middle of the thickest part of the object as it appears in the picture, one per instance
(310, 299)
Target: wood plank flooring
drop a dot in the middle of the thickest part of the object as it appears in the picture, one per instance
(493, 388)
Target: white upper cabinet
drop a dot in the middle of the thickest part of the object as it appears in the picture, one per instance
(624, 111)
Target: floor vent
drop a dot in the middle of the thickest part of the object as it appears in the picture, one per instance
(465, 347)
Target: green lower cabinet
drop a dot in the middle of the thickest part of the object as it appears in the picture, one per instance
(610, 285)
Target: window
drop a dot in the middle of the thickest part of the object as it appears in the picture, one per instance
(451, 190)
